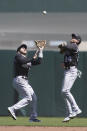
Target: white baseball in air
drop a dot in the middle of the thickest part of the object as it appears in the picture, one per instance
(44, 12)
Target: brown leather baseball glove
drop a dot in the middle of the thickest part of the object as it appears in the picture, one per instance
(40, 43)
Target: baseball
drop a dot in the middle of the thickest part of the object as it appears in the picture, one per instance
(44, 12)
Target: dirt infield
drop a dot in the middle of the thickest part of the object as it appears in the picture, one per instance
(23, 128)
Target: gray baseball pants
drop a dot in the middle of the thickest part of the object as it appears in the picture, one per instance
(27, 94)
(70, 76)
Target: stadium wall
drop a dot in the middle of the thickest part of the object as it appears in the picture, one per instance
(46, 80)
(39, 5)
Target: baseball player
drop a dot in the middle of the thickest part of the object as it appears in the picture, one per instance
(22, 65)
(70, 52)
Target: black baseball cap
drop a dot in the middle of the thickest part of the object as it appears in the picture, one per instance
(22, 46)
(77, 37)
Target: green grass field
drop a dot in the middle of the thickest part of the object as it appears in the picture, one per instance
(45, 121)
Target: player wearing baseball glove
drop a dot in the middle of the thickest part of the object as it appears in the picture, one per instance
(22, 65)
(70, 52)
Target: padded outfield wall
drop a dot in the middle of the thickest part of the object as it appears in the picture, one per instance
(39, 5)
(46, 80)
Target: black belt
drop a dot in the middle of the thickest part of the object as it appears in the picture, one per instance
(68, 67)
(25, 77)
